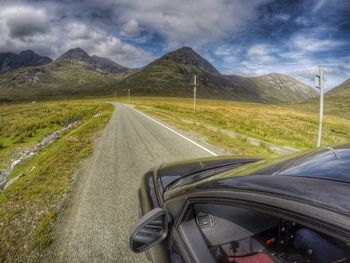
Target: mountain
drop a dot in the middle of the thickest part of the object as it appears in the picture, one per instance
(336, 101)
(74, 73)
(275, 87)
(78, 56)
(172, 75)
(10, 61)
(78, 74)
(341, 90)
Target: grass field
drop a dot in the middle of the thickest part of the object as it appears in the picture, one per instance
(337, 103)
(23, 125)
(28, 208)
(280, 125)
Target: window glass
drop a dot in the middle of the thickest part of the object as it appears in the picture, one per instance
(236, 234)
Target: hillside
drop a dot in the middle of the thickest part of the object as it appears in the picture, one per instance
(336, 101)
(172, 75)
(275, 87)
(73, 73)
(10, 61)
(77, 73)
(78, 56)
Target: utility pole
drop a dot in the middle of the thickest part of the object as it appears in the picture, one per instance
(194, 92)
(115, 95)
(319, 85)
(129, 94)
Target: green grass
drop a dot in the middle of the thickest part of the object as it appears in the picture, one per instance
(275, 124)
(56, 80)
(28, 208)
(336, 103)
(23, 125)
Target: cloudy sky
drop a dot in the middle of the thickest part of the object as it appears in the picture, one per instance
(244, 37)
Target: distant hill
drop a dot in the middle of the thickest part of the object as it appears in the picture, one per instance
(336, 101)
(78, 56)
(73, 73)
(172, 75)
(77, 73)
(275, 87)
(10, 61)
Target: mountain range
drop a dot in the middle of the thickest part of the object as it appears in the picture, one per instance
(27, 58)
(75, 73)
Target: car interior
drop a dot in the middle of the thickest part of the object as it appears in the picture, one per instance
(225, 233)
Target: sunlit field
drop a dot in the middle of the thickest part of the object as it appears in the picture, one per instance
(285, 126)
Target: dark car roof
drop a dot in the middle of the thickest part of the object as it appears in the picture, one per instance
(328, 163)
(320, 177)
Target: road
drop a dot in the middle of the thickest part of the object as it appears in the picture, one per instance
(103, 204)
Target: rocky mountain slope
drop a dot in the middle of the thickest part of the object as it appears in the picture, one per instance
(10, 61)
(77, 73)
(172, 75)
(275, 87)
(78, 56)
(74, 73)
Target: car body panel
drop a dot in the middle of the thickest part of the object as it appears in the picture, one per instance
(157, 179)
(291, 187)
(272, 177)
(168, 173)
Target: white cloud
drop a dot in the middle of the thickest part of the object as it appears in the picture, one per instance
(23, 21)
(283, 17)
(312, 44)
(95, 41)
(132, 28)
(27, 27)
(24, 27)
(182, 21)
(302, 20)
(262, 53)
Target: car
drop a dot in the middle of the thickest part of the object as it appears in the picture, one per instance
(294, 208)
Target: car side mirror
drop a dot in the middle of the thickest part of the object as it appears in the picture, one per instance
(149, 231)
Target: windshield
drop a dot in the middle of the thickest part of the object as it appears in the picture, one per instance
(325, 163)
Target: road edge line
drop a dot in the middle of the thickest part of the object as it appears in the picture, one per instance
(177, 133)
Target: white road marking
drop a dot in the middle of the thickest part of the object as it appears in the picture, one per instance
(179, 134)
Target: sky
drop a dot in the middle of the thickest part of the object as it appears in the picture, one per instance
(241, 37)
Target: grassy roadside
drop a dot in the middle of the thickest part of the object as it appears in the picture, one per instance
(24, 125)
(279, 125)
(28, 208)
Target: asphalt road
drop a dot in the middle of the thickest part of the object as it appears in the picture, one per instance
(103, 205)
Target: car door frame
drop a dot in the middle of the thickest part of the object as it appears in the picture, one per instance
(327, 221)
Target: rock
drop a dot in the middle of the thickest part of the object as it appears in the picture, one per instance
(98, 114)
(3, 182)
(33, 151)
(72, 139)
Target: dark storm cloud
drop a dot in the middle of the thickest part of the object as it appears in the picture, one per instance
(23, 22)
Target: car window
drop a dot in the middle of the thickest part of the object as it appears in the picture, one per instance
(238, 234)
(325, 163)
(330, 164)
